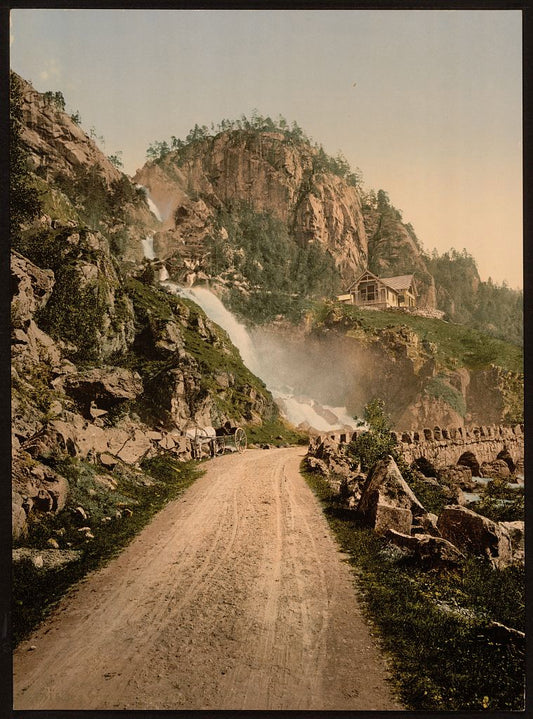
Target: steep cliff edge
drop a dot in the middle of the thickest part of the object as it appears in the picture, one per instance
(427, 371)
(263, 170)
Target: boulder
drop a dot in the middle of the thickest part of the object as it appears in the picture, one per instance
(106, 386)
(426, 524)
(317, 465)
(506, 457)
(134, 448)
(19, 527)
(429, 551)
(497, 469)
(474, 533)
(387, 501)
(516, 533)
(108, 460)
(457, 475)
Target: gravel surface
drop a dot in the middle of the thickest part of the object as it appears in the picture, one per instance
(236, 596)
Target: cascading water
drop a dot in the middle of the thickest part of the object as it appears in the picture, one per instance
(216, 311)
(297, 409)
(154, 209)
(148, 247)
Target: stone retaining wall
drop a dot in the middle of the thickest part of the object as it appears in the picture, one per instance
(444, 446)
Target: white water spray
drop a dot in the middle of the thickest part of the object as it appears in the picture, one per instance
(299, 410)
(148, 247)
(216, 311)
(154, 209)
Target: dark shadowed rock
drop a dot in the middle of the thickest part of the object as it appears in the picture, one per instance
(473, 533)
(506, 457)
(426, 524)
(457, 475)
(469, 459)
(428, 550)
(106, 386)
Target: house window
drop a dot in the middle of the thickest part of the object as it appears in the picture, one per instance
(368, 291)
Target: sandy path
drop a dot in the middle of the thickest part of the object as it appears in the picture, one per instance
(234, 597)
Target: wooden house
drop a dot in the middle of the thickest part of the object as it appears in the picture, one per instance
(381, 292)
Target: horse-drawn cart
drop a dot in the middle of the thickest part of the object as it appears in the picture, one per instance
(210, 441)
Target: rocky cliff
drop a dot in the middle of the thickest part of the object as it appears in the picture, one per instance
(263, 170)
(106, 366)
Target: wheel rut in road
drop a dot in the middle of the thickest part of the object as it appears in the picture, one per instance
(235, 596)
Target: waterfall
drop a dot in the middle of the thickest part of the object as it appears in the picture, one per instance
(298, 410)
(216, 311)
(148, 247)
(154, 209)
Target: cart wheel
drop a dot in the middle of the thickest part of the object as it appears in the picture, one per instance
(240, 439)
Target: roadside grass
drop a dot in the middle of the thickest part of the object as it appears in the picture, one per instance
(276, 432)
(139, 495)
(435, 625)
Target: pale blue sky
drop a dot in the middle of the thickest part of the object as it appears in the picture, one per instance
(435, 117)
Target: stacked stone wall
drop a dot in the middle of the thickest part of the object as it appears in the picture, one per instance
(443, 446)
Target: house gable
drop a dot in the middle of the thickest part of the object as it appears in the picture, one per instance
(382, 292)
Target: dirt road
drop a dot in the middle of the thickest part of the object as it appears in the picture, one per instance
(234, 597)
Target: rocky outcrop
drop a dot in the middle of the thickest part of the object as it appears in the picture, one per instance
(387, 501)
(105, 386)
(457, 476)
(497, 469)
(473, 533)
(55, 141)
(429, 551)
(266, 172)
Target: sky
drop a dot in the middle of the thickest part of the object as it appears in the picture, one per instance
(426, 103)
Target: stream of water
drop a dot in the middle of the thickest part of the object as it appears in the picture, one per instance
(299, 410)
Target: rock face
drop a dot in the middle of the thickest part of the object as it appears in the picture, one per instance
(55, 140)
(387, 501)
(471, 532)
(267, 172)
(107, 386)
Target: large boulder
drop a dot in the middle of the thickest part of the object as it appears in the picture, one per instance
(19, 526)
(516, 532)
(497, 469)
(431, 552)
(387, 501)
(106, 386)
(456, 475)
(474, 533)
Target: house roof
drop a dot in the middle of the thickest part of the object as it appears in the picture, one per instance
(402, 282)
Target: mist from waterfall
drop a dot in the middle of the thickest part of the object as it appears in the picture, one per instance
(279, 371)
